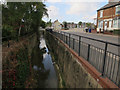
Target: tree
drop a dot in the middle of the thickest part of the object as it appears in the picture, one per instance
(80, 23)
(88, 25)
(43, 24)
(22, 17)
(65, 24)
(49, 23)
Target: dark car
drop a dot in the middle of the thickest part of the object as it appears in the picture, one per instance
(49, 30)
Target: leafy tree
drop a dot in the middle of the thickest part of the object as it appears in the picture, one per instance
(65, 24)
(49, 23)
(88, 25)
(80, 23)
(43, 24)
(22, 17)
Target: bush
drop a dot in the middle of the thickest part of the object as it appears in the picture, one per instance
(111, 31)
(117, 32)
(66, 28)
(9, 32)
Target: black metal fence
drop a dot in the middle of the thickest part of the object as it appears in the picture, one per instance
(106, 62)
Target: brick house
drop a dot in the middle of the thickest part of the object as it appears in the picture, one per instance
(108, 17)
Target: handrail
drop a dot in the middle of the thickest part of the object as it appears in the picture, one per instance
(95, 39)
(104, 61)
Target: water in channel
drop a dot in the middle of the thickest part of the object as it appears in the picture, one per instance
(42, 64)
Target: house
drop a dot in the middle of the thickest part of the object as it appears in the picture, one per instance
(57, 25)
(83, 25)
(71, 25)
(108, 16)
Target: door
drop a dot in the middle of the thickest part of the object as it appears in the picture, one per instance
(105, 26)
(110, 23)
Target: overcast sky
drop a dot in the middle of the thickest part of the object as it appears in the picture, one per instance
(73, 10)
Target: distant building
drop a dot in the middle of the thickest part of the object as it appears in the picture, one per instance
(71, 25)
(57, 25)
(92, 26)
(83, 25)
(108, 17)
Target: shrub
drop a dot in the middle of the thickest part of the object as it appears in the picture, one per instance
(9, 32)
(117, 32)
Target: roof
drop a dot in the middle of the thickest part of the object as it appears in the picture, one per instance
(109, 5)
(56, 21)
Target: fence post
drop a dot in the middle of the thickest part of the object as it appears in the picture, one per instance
(56, 34)
(69, 40)
(79, 44)
(64, 36)
(66, 39)
(60, 35)
(73, 42)
(106, 44)
(118, 74)
(88, 52)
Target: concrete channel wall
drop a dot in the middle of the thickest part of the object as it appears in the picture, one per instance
(74, 73)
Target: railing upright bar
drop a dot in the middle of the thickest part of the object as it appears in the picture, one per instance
(64, 36)
(103, 68)
(79, 45)
(118, 74)
(88, 52)
(66, 39)
(69, 40)
(73, 42)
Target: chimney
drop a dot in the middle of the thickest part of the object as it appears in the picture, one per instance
(110, 1)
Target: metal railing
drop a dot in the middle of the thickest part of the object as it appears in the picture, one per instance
(106, 62)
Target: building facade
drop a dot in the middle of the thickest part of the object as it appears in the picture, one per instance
(57, 25)
(72, 25)
(108, 17)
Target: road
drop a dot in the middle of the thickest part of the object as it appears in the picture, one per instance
(108, 38)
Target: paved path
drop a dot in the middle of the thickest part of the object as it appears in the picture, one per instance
(108, 38)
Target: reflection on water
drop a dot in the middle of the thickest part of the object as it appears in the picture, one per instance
(43, 67)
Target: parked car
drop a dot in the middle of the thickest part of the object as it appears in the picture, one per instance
(49, 30)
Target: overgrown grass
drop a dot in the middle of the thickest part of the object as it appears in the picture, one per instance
(16, 69)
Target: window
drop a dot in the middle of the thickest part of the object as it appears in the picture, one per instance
(105, 25)
(117, 10)
(119, 22)
(100, 24)
(115, 23)
(101, 13)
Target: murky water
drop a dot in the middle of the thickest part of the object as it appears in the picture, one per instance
(43, 66)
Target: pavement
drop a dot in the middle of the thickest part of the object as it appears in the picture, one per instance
(103, 37)
(78, 31)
